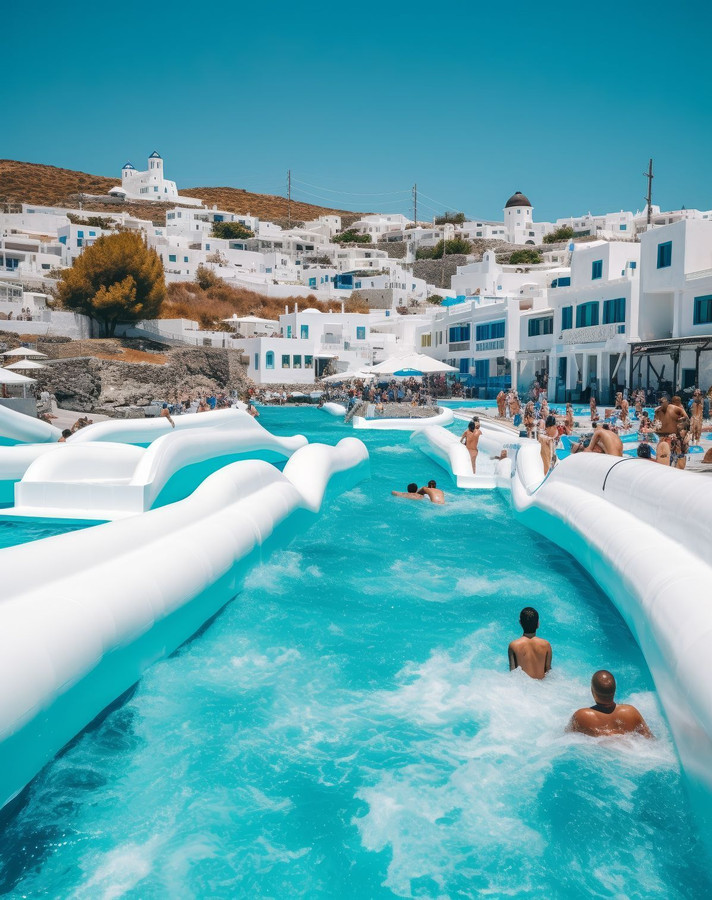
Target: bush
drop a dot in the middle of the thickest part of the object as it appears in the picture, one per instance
(456, 245)
(351, 237)
(231, 231)
(525, 257)
(91, 221)
(435, 299)
(116, 279)
(453, 218)
(205, 278)
(561, 234)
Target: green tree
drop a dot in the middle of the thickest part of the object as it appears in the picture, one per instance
(525, 257)
(232, 231)
(117, 279)
(435, 299)
(561, 234)
(351, 237)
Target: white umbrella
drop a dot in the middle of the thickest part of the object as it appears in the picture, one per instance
(349, 376)
(249, 320)
(417, 362)
(8, 377)
(24, 351)
(26, 364)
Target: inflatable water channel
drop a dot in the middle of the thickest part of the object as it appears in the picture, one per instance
(78, 630)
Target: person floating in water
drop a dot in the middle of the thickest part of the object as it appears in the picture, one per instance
(411, 494)
(530, 653)
(606, 717)
(433, 492)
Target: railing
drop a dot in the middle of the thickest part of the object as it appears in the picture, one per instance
(489, 345)
(693, 276)
(590, 334)
(459, 345)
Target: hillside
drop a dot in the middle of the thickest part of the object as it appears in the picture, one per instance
(22, 182)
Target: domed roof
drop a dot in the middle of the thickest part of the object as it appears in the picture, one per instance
(155, 155)
(127, 166)
(517, 199)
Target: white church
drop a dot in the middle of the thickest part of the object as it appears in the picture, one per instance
(150, 185)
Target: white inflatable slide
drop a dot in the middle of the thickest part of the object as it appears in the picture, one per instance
(24, 429)
(106, 602)
(442, 417)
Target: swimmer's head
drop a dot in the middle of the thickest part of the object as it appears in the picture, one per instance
(550, 421)
(603, 686)
(529, 619)
(644, 451)
(66, 433)
(165, 406)
(431, 483)
(412, 488)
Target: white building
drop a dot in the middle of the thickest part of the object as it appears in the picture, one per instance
(149, 184)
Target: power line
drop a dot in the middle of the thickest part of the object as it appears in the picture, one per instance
(350, 193)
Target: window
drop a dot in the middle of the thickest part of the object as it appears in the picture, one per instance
(185, 259)
(92, 234)
(665, 255)
(207, 246)
(614, 311)
(297, 361)
(596, 269)
(80, 234)
(481, 368)
(567, 317)
(624, 228)
(703, 310)
(304, 332)
(156, 190)
(426, 340)
(361, 333)
(172, 258)
(269, 360)
(289, 331)
(308, 362)
(312, 283)
(464, 365)
(562, 281)
(587, 314)
(257, 362)
(79, 242)
(490, 331)
(459, 333)
(285, 360)
(542, 325)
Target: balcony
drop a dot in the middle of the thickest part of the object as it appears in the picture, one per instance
(459, 345)
(483, 346)
(591, 334)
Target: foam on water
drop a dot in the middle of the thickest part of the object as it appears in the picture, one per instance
(348, 727)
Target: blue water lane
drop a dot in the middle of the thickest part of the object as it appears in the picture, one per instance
(348, 727)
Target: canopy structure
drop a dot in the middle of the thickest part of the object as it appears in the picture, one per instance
(25, 351)
(415, 362)
(362, 374)
(25, 364)
(8, 377)
(234, 319)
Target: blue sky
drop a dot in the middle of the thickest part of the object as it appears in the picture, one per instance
(361, 100)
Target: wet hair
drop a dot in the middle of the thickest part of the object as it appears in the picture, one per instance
(165, 406)
(431, 483)
(471, 425)
(550, 421)
(529, 619)
(66, 433)
(603, 685)
(412, 488)
(644, 451)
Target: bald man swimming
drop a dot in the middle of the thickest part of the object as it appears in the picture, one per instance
(606, 717)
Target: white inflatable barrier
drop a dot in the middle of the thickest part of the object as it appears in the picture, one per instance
(334, 409)
(445, 448)
(97, 480)
(442, 417)
(25, 429)
(644, 533)
(107, 602)
(14, 461)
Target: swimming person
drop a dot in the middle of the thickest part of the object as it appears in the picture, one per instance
(607, 440)
(165, 414)
(471, 438)
(410, 494)
(530, 653)
(66, 433)
(433, 492)
(606, 717)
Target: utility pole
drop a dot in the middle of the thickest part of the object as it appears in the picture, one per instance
(649, 199)
(415, 204)
(289, 198)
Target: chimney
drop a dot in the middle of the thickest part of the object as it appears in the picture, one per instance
(296, 307)
(286, 309)
(343, 307)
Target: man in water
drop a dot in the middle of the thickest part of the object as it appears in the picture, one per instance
(668, 417)
(433, 492)
(605, 439)
(66, 433)
(471, 438)
(530, 653)
(411, 494)
(165, 414)
(606, 717)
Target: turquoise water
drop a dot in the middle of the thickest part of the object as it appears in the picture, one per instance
(347, 727)
(12, 533)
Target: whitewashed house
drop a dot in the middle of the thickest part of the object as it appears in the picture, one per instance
(150, 184)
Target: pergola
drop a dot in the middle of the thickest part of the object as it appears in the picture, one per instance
(667, 347)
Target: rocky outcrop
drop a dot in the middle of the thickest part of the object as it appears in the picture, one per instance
(90, 384)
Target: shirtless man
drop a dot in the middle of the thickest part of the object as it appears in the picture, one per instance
(165, 414)
(668, 418)
(529, 418)
(607, 717)
(411, 494)
(471, 438)
(501, 404)
(696, 415)
(433, 492)
(548, 439)
(530, 653)
(608, 442)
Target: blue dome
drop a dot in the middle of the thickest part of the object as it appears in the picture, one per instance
(155, 155)
(127, 166)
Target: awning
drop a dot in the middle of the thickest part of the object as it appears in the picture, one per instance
(665, 346)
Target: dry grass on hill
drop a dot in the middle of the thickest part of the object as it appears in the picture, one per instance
(186, 300)
(22, 182)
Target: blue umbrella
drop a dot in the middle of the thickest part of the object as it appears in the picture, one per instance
(406, 373)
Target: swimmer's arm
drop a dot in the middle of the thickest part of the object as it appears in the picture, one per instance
(513, 664)
(547, 660)
(642, 728)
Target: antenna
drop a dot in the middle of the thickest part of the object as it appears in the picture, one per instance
(289, 198)
(649, 175)
(415, 204)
